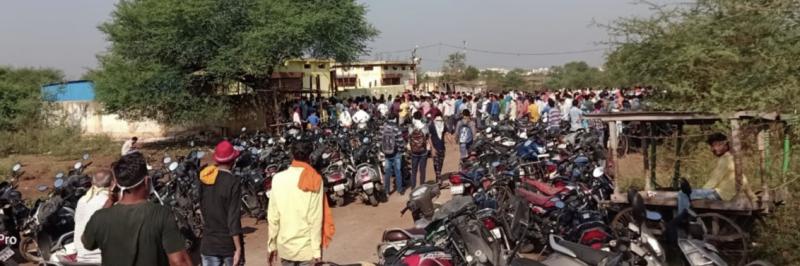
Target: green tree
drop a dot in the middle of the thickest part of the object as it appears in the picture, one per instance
(170, 59)
(714, 55)
(575, 75)
(21, 96)
(471, 73)
(720, 56)
(514, 79)
(454, 67)
(493, 79)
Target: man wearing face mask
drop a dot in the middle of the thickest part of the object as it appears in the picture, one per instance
(135, 231)
(437, 130)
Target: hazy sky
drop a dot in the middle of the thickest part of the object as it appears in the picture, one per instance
(63, 34)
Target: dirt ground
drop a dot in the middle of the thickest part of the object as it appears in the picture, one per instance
(358, 226)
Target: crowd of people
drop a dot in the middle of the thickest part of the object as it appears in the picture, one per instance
(299, 219)
(433, 119)
(417, 125)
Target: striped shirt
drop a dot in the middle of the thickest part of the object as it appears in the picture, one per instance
(554, 117)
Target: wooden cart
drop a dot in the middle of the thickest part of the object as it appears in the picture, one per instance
(728, 222)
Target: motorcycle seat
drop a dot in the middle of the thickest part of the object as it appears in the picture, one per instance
(397, 234)
(584, 253)
(536, 199)
(545, 188)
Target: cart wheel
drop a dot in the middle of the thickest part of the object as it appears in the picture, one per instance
(731, 241)
(622, 146)
(623, 217)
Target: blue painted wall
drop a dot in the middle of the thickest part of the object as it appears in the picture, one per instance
(79, 90)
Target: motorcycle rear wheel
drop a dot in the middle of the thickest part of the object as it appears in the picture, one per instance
(338, 202)
(373, 200)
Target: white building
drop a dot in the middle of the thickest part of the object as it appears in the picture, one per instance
(385, 76)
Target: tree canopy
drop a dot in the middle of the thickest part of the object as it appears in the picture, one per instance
(471, 73)
(169, 59)
(454, 66)
(21, 95)
(713, 55)
(576, 74)
(514, 79)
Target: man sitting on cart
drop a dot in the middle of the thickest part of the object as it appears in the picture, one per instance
(722, 184)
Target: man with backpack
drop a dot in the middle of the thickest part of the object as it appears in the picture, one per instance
(418, 145)
(465, 130)
(391, 146)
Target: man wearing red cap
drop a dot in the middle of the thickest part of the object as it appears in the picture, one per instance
(222, 227)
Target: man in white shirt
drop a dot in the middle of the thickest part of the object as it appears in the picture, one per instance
(129, 146)
(383, 109)
(93, 200)
(449, 107)
(565, 106)
(361, 117)
(575, 116)
(344, 119)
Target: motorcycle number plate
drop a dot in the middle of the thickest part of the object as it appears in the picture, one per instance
(338, 187)
(268, 193)
(6, 254)
(368, 186)
(496, 233)
(457, 190)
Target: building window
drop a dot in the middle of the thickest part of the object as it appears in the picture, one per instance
(346, 82)
(403, 68)
(391, 81)
(368, 68)
(411, 67)
(321, 66)
(394, 68)
(307, 66)
(385, 67)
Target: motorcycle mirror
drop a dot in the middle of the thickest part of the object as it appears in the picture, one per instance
(598, 171)
(244, 129)
(60, 175)
(41, 188)
(58, 183)
(172, 166)
(16, 167)
(270, 141)
(85, 156)
(191, 143)
(201, 154)
(77, 165)
(560, 204)
(488, 130)
(149, 167)
(167, 160)
(365, 140)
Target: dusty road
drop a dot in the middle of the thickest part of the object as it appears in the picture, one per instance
(358, 227)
